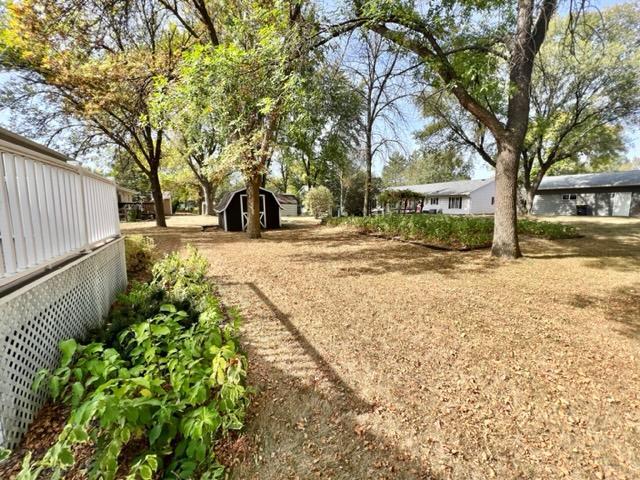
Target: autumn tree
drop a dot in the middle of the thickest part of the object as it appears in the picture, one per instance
(94, 61)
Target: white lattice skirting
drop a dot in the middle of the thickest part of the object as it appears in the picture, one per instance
(35, 318)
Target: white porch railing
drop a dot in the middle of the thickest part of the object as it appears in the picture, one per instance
(49, 210)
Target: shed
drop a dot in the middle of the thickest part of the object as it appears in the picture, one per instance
(289, 204)
(599, 194)
(125, 195)
(232, 210)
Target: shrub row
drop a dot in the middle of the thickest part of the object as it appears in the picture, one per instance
(160, 384)
(458, 232)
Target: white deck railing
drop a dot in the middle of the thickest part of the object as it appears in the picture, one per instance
(49, 210)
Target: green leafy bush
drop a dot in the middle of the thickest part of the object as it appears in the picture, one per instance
(319, 201)
(550, 230)
(133, 214)
(451, 231)
(140, 253)
(163, 388)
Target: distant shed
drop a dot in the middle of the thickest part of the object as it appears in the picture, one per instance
(289, 204)
(232, 210)
(601, 194)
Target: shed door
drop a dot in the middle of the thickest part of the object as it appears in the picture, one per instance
(245, 211)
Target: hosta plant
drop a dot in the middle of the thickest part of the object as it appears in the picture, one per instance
(163, 390)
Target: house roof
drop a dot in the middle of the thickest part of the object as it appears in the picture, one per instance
(592, 180)
(458, 187)
(226, 197)
(287, 199)
(120, 188)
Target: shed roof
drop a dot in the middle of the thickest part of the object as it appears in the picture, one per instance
(287, 199)
(226, 197)
(591, 180)
(458, 187)
(120, 188)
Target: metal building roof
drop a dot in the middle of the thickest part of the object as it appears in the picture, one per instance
(458, 187)
(591, 180)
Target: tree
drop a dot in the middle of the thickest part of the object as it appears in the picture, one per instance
(94, 61)
(584, 92)
(395, 169)
(429, 166)
(585, 89)
(354, 191)
(380, 75)
(476, 59)
(246, 66)
(326, 119)
(319, 201)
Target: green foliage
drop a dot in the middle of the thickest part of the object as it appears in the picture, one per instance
(4, 453)
(394, 196)
(319, 201)
(165, 386)
(457, 232)
(140, 253)
(549, 230)
(426, 165)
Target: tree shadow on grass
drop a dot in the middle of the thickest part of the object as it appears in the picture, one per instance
(303, 422)
(377, 256)
(621, 307)
(616, 249)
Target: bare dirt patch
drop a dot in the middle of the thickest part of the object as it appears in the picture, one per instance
(379, 359)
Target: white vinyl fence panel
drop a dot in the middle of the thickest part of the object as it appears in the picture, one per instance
(49, 211)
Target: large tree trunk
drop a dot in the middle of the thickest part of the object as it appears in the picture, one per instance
(505, 231)
(253, 205)
(208, 193)
(156, 192)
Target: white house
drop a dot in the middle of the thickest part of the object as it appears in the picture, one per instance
(600, 194)
(460, 197)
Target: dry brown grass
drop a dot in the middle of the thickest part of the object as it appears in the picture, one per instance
(377, 359)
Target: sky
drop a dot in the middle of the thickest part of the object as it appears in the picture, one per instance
(412, 120)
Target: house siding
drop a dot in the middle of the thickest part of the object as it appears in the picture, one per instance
(443, 205)
(289, 210)
(601, 202)
(480, 199)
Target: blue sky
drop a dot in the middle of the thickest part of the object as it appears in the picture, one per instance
(412, 118)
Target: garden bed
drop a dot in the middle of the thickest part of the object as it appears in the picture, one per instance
(448, 232)
(154, 391)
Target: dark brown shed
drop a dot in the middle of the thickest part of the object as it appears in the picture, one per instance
(232, 210)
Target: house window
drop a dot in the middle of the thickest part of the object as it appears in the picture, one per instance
(493, 200)
(433, 200)
(569, 196)
(455, 202)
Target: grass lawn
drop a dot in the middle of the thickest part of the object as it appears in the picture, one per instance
(378, 359)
